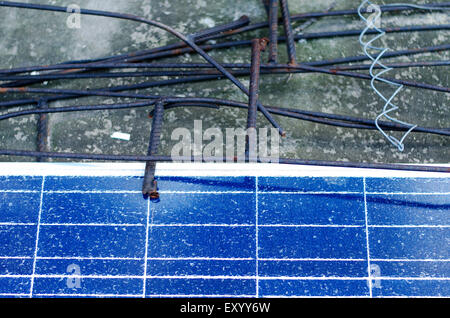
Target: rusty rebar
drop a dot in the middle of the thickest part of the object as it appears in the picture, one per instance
(273, 31)
(42, 129)
(290, 42)
(150, 185)
(258, 45)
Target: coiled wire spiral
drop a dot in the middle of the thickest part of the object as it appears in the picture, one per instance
(389, 106)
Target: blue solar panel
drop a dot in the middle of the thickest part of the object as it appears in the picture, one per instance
(224, 237)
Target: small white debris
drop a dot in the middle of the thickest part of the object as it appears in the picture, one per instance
(210, 23)
(121, 136)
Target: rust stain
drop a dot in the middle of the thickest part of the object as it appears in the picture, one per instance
(263, 43)
(70, 71)
(177, 51)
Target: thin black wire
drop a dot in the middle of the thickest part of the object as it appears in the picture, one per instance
(351, 59)
(173, 102)
(98, 157)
